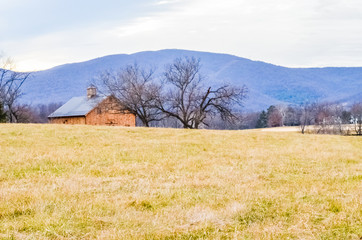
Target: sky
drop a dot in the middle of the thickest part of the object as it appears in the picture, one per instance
(41, 34)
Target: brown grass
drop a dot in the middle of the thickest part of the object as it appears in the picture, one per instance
(83, 182)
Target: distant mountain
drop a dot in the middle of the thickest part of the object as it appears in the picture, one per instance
(268, 84)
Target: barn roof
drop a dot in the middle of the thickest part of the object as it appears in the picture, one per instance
(77, 106)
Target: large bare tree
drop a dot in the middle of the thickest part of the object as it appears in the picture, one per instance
(10, 89)
(136, 91)
(189, 101)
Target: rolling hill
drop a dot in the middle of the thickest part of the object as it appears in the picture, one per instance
(267, 83)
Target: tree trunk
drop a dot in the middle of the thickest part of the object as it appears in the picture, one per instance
(145, 122)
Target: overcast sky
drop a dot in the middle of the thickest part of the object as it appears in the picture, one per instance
(40, 34)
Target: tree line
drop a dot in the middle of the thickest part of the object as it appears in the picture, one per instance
(323, 118)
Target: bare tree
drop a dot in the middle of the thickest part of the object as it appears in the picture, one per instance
(10, 89)
(356, 112)
(328, 118)
(26, 114)
(307, 115)
(42, 111)
(188, 101)
(283, 110)
(292, 116)
(136, 91)
(275, 118)
(250, 120)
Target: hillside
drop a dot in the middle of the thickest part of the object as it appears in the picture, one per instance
(268, 84)
(88, 182)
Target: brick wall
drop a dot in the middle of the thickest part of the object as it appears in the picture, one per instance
(68, 120)
(109, 112)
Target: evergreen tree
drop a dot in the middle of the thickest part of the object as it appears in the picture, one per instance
(262, 120)
(346, 117)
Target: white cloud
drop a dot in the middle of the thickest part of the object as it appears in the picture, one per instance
(284, 32)
(164, 2)
(140, 25)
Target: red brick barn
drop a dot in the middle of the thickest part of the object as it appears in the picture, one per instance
(93, 109)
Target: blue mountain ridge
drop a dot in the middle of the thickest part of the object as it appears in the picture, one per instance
(267, 83)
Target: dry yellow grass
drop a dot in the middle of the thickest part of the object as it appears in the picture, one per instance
(84, 182)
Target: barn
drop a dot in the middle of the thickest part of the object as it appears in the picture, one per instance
(93, 109)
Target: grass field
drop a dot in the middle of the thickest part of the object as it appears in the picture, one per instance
(84, 182)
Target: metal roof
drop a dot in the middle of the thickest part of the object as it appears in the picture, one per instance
(77, 106)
